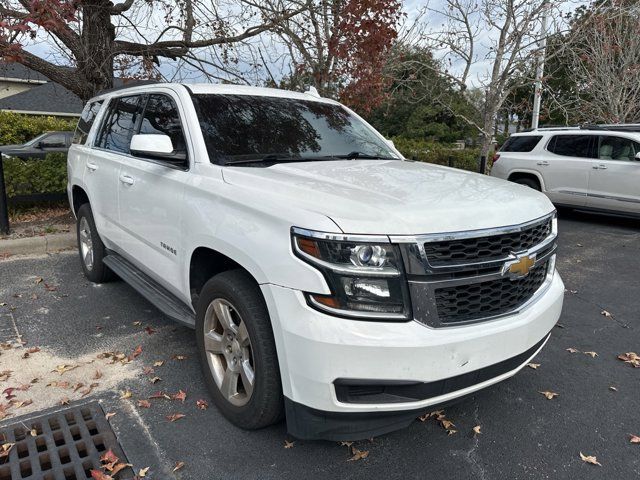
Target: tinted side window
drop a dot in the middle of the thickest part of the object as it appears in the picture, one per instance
(571, 145)
(120, 124)
(161, 117)
(617, 148)
(521, 143)
(54, 140)
(86, 121)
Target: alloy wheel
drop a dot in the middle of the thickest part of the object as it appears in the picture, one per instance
(86, 243)
(229, 353)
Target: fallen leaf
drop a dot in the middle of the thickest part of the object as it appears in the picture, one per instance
(33, 350)
(175, 417)
(346, 444)
(136, 353)
(589, 459)
(358, 454)
(631, 358)
(97, 375)
(451, 431)
(155, 379)
(572, 350)
(98, 475)
(149, 330)
(143, 472)
(5, 449)
(124, 394)
(447, 424)
(179, 396)
(64, 368)
(50, 288)
(178, 466)
(137, 324)
(634, 438)
(5, 375)
(591, 354)
(3, 304)
(147, 370)
(613, 389)
(160, 395)
(606, 314)
(34, 432)
(109, 457)
(179, 357)
(202, 404)
(158, 363)
(118, 467)
(573, 292)
(108, 415)
(288, 444)
(64, 401)
(39, 280)
(476, 429)
(21, 404)
(533, 365)
(549, 395)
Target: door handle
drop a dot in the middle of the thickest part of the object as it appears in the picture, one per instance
(600, 167)
(126, 179)
(544, 163)
(92, 167)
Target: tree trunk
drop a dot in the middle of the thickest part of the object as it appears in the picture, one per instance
(95, 65)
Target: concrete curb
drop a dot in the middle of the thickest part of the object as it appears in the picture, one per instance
(38, 245)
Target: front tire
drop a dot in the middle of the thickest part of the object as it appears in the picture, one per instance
(528, 182)
(91, 248)
(237, 351)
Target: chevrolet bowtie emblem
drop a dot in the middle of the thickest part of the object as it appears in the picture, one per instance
(520, 267)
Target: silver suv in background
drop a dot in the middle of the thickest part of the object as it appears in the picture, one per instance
(596, 168)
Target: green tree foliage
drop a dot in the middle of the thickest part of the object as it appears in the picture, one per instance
(421, 103)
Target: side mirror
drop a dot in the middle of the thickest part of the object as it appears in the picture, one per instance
(155, 146)
(638, 156)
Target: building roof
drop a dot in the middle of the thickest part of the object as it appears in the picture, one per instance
(17, 71)
(46, 99)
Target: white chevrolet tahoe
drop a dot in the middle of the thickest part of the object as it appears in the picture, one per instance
(594, 167)
(328, 279)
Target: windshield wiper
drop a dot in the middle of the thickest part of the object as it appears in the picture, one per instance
(276, 158)
(365, 156)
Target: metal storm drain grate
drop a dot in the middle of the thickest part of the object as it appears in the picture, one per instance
(67, 445)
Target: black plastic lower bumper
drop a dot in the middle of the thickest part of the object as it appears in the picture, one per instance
(307, 423)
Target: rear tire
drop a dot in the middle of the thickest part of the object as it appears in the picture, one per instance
(91, 248)
(528, 182)
(237, 351)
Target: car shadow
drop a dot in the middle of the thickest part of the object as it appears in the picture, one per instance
(599, 219)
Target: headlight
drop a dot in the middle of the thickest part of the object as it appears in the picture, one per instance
(365, 275)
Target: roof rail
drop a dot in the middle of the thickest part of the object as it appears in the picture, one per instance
(551, 127)
(128, 84)
(616, 127)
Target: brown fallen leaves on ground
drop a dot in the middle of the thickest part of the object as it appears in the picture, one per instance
(549, 395)
(572, 350)
(631, 358)
(533, 365)
(202, 404)
(634, 438)
(178, 466)
(590, 459)
(358, 454)
(288, 444)
(606, 314)
(591, 354)
(174, 417)
(476, 429)
(440, 417)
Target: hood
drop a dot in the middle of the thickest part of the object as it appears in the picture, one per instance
(394, 197)
(6, 148)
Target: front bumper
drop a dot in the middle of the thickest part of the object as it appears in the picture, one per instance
(315, 350)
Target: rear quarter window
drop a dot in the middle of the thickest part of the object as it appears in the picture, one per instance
(521, 143)
(85, 123)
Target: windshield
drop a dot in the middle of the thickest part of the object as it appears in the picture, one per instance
(240, 128)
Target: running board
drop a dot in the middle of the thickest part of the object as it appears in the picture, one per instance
(164, 300)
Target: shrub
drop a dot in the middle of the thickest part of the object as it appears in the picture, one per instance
(35, 176)
(438, 153)
(16, 128)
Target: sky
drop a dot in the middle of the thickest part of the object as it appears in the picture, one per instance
(44, 47)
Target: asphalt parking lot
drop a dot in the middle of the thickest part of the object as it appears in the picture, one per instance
(523, 434)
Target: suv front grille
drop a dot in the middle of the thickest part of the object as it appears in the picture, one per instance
(469, 302)
(467, 277)
(485, 248)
